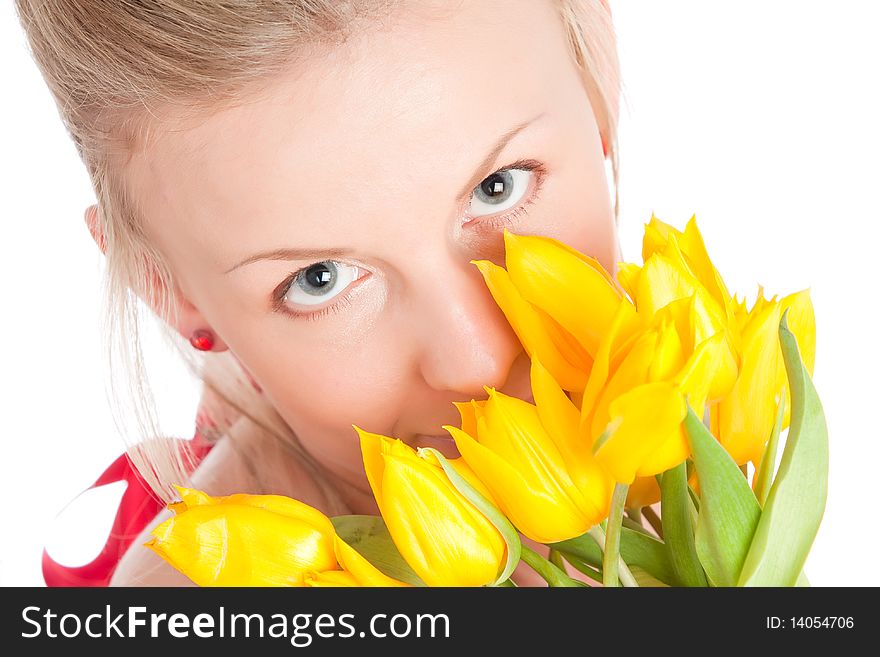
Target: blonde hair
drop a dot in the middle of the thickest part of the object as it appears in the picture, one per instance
(113, 66)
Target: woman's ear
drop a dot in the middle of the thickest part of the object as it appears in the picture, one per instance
(189, 321)
(94, 227)
(192, 325)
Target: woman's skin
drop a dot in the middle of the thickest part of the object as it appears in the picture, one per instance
(373, 154)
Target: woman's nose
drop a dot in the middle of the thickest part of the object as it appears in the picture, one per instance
(467, 341)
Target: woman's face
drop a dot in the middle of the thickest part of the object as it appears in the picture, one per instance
(325, 230)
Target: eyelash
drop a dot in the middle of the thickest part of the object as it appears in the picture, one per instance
(280, 292)
(525, 165)
(344, 301)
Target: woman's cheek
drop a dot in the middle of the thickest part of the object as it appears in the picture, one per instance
(333, 388)
(575, 219)
(574, 208)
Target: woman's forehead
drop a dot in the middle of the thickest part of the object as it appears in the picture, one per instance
(392, 113)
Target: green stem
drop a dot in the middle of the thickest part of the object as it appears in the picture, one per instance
(611, 555)
(551, 574)
(626, 576)
(585, 568)
(634, 513)
(636, 527)
(555, 557)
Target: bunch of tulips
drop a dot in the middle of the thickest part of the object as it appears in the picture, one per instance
(675, 439)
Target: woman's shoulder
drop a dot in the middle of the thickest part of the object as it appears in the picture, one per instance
(220, 472)
(140, 566)
(244, 460)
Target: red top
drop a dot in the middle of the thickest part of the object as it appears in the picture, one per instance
(139, 505)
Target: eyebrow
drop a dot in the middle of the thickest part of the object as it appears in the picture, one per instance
(306, 253)
(291, 254)
(493, 154)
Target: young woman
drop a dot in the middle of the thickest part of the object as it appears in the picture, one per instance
(298, 188)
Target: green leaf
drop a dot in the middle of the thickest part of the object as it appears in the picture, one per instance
(550, 572)
(499, 520)
(636, 527)
(636, 549)
(369, 536)
(678, 530)
(729, 511)
(796, 501)
(645, 579)
(764, 475)
(582, 566)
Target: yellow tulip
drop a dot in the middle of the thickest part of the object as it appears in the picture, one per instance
(558, 301)
(572, 288)
(541, 336)
(533, 462)
(444, 538)
(693, 248)
(668, 276)
(634, 402)
(745, 417)
(251, 540)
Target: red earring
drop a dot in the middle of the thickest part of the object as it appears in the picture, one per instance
(202, 340)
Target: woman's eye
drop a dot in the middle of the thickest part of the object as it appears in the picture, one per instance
(499, 192)
(320, 282)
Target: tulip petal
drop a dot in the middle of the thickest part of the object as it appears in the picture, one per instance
(667, 455)
(642, 420)
(436, 530)
(486, 506)
(628, 277)
(698, 258)
(283, 506)
(746, 415)
(708, 365)
(361, 571)
(539, 510)
(662, 282)
(659, 234)
(190, 497)
(572, 288)
(643, 491)
(465, 472)
(468, 413)
(669, 355)
(237, 545)
(622, 330)
(330, 578)
(656, 236)
(633, 372)
(512, 429)
(802, 323)
(534, 331)
(561, 420)
(374, 464)
(555, 411)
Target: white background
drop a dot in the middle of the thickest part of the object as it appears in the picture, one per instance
(759, 117)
